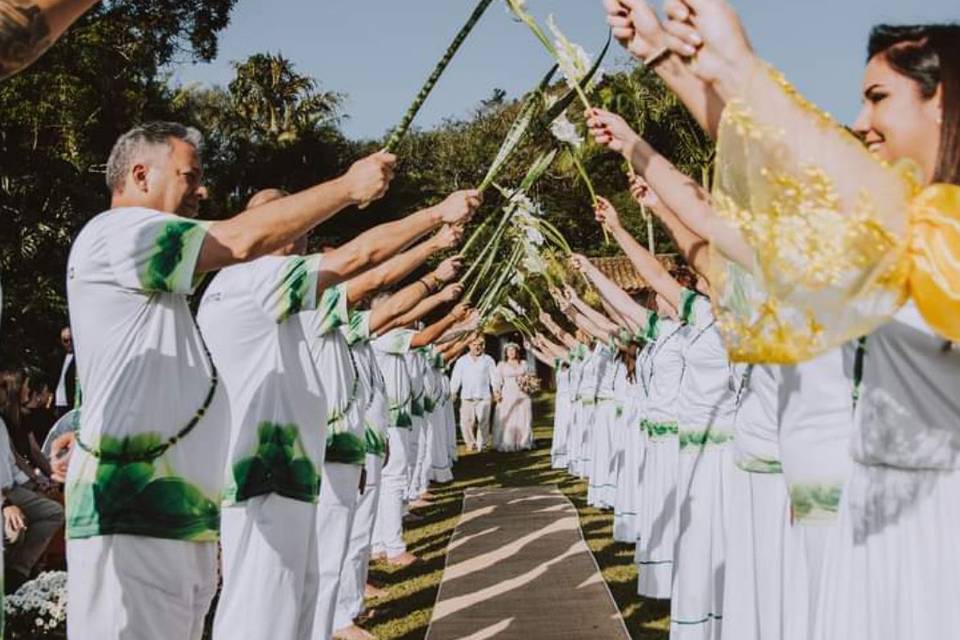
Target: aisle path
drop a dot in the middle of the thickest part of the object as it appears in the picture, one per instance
(518, 567)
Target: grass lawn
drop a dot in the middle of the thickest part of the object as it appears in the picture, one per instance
(405, 612)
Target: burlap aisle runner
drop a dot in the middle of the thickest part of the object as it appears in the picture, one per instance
(518, 567)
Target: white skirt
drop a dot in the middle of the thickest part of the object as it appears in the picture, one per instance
(602, 487)
(657, 515)
(758, 542)
(578, 439)
(626, 503)
(440, 462)
(696, 607)
(892, 564)
(561, 423)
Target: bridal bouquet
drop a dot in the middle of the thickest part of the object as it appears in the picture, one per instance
(529, 384)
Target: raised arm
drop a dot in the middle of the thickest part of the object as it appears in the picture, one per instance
(649, 267)
(400, 266)
(29, 27)
(446, 295)
(550, 324)
(266, 228)
(693, 247)
(435, 330)
(404, 300)
(636, 315)
(601, 321)
(636, 26)
(678, 191)
(551, 348)
(382, 242)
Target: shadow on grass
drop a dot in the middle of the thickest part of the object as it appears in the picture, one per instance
(404, 614)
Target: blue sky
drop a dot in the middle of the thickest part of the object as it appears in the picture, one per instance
(379, 52)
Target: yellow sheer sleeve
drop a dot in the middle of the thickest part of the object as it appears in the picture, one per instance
(840, 239)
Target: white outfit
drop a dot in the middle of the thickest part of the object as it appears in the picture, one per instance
(513, 422)
(435, 398)
(419, 443)
(706, 412)
(629, 446)
(659, 373)
(578, 440)
(816, 419)
(60, 398)
(250, 317)
(602, 487)
(758, 523)
(891, 563)
(472, 379)
(561, 414)
(388, 529)
(353, 576)
(142, 366)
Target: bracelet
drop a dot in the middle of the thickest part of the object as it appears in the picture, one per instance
(426, 284)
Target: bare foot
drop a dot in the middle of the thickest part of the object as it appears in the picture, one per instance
(419, 504)
(370, 591)
(379, 556)
(353, 632)
(405, 559)
(426, 495)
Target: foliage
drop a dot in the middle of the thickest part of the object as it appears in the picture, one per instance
(38, 610)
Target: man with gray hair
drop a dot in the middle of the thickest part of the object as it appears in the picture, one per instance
(147, 471)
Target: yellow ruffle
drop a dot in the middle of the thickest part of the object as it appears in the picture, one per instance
(838, 240)
(935, 258)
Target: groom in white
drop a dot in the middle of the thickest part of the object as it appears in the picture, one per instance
(474, 378)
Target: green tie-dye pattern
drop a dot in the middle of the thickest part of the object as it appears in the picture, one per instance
(160, 272)
(416, 406)
(128, 498)
(687, 298)
(294, 289)
(375, 443)
(330, 307)
(815, 502)
(702, 438)
(357, 327)
(400, 417)
(757, 465)
(279, 465)
(346, 448)
(659, 430)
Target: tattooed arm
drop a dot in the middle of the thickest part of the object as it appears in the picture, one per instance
(29, 27)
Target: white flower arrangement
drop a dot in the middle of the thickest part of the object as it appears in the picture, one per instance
(573, 59)
(39, 608)
(565, 131)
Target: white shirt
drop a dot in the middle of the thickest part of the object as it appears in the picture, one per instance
(757, 444)
(661, 369)
(390, 349)
(341, 385)
(60, 397)
(249, 319)
(372, 386)
(474, 377)
(144, 375)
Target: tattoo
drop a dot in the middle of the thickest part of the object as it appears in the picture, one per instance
(24, 35)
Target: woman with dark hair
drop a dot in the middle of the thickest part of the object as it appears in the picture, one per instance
(513, 422)
(847, 242)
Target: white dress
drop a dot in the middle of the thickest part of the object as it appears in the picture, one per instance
(629, 453)
(659, 375)
(601, 488)
(892, 565)
(758, 525)
(563, 408)
(585, 399)
(513, 421)
(705, 421)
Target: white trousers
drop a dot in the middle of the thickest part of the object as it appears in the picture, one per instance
(353, 577)
(420, 458)
(388, 528)
(339, 490)
(139, 588)
(269, 570)
(475, 423)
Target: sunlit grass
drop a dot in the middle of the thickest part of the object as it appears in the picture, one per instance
(411, 592)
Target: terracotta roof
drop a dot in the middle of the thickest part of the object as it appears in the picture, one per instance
(621, 271)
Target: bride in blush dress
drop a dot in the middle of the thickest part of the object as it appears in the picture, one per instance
(513, 422)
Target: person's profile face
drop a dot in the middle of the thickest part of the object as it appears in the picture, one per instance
(66, 340)
(176, 178)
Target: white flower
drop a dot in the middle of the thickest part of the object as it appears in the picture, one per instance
(533, 236)
(533, 263)
(515, 306)
(573, 59)
(565, 131)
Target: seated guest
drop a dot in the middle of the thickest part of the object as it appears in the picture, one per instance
(30, 518)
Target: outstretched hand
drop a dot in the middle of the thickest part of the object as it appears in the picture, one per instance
(606, 213)
(60, 453)
(580, 262)
(448, 269)
(611, 131)
(635, 26)
(642, 193)
(459, 206)
(710, 30)
(369, 178)
(451, 292)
